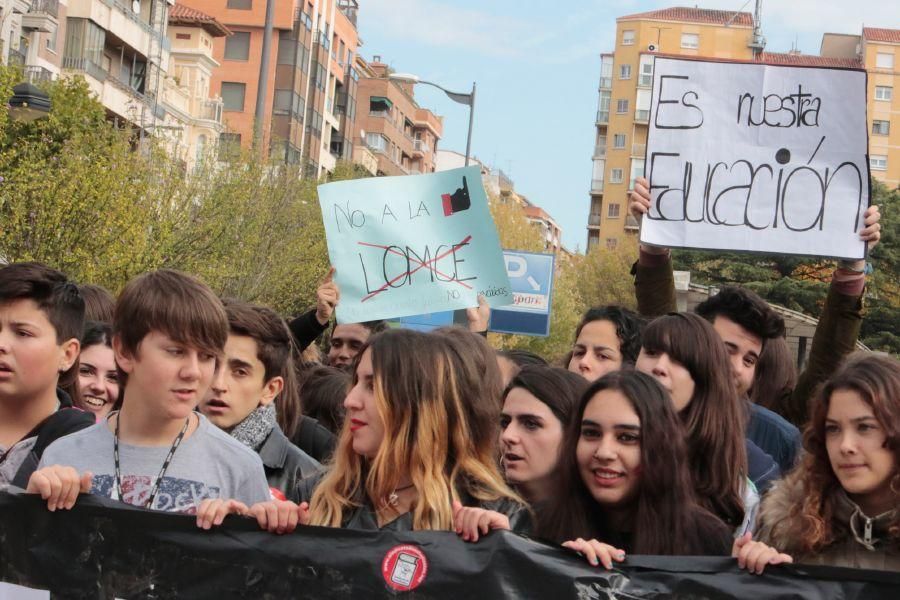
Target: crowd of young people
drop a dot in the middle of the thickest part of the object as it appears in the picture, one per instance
(659, 433)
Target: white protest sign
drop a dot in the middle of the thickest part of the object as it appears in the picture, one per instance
(746, 156)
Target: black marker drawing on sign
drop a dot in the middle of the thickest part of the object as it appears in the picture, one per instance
(794, 186)
(696, 113)
(794, 110)
(458, 202)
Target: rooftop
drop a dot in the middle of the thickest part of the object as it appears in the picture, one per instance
(875, 34)
(808, 60)
(695, 15)
(180, 14)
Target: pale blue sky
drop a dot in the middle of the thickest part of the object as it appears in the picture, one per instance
(537, 71)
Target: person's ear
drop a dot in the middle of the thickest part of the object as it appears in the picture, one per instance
(271, 390)
(123, 358)
(71, 349)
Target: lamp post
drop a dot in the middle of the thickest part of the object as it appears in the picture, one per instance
(461, 98)
(28, 103)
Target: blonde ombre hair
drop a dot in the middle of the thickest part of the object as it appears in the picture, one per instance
(427, 435)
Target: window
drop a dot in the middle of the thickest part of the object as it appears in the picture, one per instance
(884, 60)
(240, 4)
(288, 103)
(613, 210)
(233, 95)
(611, 243)
(637, 170)
(376, 141)
(619, 140)
(878, 162)
(237, 46)
(615, 176)
(51, 41)
(624, 71)
(621, 106)
(287, 48)
(645, 77)
(628, 37)
(884, 92)
(229, 146)
(881, 127)
(690, 40)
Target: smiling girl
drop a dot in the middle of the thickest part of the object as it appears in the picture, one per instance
(625, 479)
(840, 506)
(98, 378)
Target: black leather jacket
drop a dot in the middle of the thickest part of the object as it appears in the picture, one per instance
(286, 464)
(364, 517)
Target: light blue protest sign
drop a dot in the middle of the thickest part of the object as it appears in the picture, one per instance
(411, 245)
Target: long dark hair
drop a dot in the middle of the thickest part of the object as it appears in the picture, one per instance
(715, 418)
(667, 517)
(556, 387)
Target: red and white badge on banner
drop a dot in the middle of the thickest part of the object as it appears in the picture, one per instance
(404, 567)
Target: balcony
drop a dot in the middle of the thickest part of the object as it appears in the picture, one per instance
(381, 114)
(16, 57)
(599, 150)
(421, 147)
(606, 83)
(631, 224)
(645, 81)
(641, 116)
(42, 16)
(602, 117)
(211, 110)
(638, 150)
(594, 219)
(596, 185)
(86, 66)
(36, 75)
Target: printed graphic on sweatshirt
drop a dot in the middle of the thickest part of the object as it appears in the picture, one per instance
(174, 495)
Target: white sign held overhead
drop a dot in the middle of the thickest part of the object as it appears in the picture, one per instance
(747, 156)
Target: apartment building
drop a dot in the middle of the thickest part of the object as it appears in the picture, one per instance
(878, 51)
(626, 78)
(32, 33)
(392, 125)
(310, 97)
(623, 110)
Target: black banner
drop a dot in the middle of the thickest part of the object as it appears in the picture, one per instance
(103, 549)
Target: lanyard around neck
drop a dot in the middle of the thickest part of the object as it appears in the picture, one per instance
(162, 471)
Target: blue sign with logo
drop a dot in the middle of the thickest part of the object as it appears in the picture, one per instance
(531, 283)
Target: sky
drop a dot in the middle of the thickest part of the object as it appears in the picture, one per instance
(537, 71)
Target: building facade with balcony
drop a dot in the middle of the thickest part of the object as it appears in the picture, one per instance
(186, 87)
(310, 96)
(390, 123)
(31, 36)
(122, 51)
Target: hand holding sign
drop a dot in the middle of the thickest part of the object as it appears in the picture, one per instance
(328, 294)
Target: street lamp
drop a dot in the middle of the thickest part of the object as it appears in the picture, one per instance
(28, 103)
(467, 99)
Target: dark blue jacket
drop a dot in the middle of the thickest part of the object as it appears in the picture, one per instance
(774, 435)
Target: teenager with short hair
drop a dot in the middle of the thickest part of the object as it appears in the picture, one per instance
(606, 339)
(537, 406)
(836, 332)
(98, 376)
(156, 452)
(747, 324)
(254, 382)
(41, 317)
(684, 353)
(322, 396)
(99, 303)
(840, 506)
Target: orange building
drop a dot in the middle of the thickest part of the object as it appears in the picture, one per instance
(311, 83)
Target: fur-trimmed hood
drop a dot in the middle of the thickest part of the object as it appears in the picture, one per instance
(859, 540)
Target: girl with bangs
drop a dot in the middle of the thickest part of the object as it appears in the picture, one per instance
(841, 506)
(404, 459)
(683, 352)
